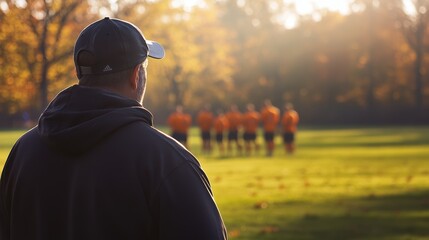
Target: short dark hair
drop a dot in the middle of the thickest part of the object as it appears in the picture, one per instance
(106, 80)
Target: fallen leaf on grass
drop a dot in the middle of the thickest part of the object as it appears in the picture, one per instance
(261, 205)
(234, 233)
(364, 209)
(259, 178)
(372, 196)
(311, 216)
(307, 183)
(218, 179)
(409, 179)
(269, 229)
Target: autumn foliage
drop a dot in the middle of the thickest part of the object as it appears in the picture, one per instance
(368, 66)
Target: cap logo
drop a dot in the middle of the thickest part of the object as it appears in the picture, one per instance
(107, 68)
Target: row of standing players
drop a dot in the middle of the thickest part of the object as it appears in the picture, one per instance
(233, 122)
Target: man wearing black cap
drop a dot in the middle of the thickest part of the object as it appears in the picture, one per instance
(94, 167)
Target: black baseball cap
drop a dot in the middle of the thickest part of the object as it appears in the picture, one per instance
(112, 45)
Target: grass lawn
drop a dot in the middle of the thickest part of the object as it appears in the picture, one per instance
(348, 183)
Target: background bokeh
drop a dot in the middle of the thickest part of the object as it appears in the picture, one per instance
(339, 62)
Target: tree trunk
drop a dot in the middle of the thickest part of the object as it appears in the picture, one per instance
(370, 101)
(419, 51)
(44, 66)
(176, 87)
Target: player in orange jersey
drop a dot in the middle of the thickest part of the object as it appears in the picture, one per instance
(234, 121)
(220, 126)
(270, 117)
(250, 125)
(205, 123)
(290, 121)
(179, 123)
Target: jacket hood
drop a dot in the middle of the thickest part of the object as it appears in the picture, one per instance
(80, 117)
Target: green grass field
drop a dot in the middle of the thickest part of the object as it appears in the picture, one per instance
(348, 183)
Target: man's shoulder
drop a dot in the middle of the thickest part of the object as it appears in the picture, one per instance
(29, 136)
(149, 137)
(140, 130)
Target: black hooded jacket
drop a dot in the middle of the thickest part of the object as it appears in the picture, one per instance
(95, 168)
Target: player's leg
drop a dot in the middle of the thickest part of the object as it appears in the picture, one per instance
(237, 143)
(254, 143)
(269, 139)
(289, 139)
(247, 146)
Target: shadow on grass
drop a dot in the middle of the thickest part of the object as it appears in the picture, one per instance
(368, 138)
(399, 216)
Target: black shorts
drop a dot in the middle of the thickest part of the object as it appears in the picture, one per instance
(233, 135)
(269, 136)
(219, 137)
(205, 135)
(288, 137)
(181, 137)
(249, 137)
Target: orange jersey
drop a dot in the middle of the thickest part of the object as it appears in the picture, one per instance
(220, 124)
(290, 121)
(270, 117)
(179, 122)
(234, 120)
(205, 120)
(251, 121)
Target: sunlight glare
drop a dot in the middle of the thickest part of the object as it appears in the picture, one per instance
(310, 7)
(307, 7)
(4, 7)
(188, 4)
(409, 7)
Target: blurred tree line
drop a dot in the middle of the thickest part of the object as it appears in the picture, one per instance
(369, 66)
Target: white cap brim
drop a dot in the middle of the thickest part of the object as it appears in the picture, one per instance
(155, 49)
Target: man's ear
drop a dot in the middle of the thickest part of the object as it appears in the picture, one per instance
(134, 77)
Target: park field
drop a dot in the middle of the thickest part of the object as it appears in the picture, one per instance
(344, 183)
